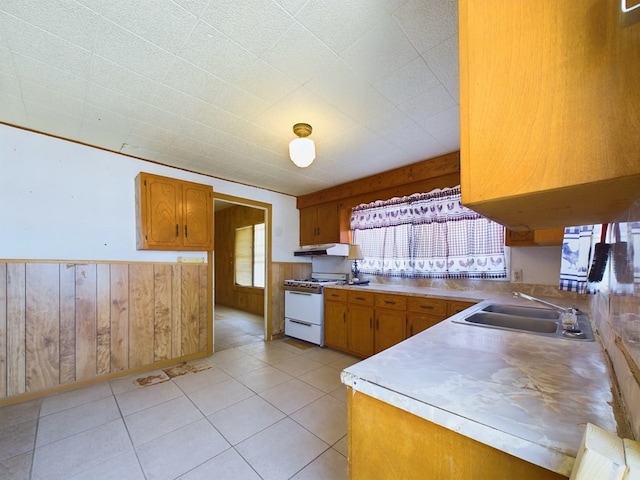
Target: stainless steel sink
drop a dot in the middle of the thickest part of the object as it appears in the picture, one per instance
(513, 322)
(536, 321)
(531, 312)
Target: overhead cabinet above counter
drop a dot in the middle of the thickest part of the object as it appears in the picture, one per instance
(173, 214)
(549, 111)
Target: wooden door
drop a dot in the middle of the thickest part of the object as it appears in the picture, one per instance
(197, 201)
(335, 325)
(390, 328)
(161, 212)
(328, 227)
(417, 322)
(360, 330)
(308, 226)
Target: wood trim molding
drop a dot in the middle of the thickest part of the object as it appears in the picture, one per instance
(400, 181)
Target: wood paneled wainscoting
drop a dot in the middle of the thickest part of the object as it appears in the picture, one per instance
(63, 325)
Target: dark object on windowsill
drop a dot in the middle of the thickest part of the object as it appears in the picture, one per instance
(621, 258)
(600, 256)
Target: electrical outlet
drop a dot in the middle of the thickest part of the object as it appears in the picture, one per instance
(190, 260)
(517, 275)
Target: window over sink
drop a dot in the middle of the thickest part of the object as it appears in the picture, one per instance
(428, 235)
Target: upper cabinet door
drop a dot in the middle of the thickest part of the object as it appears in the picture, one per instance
(173, 214)
(197, 203)
(549, 111)
(319, 224)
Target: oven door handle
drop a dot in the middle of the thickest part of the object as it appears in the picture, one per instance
(301, 293)
(306, 324)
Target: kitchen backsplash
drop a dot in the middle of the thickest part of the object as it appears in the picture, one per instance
(616, 316)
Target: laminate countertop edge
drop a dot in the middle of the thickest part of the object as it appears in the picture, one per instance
(523, 394)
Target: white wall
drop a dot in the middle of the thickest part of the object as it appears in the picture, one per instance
(539, 265)
(65, 201)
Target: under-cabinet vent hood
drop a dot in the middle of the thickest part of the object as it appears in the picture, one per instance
(334, 249)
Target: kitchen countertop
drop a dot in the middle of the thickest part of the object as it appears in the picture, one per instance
(527, 395)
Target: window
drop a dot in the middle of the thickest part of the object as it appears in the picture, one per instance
(250, 256)
(428, 235)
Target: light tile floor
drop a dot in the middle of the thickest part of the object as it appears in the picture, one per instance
(253, 410)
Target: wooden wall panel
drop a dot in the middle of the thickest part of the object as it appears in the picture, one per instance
(67, 274)
(16, 306)
(204, 307)
(86, 326)
(3, 330)
(103, 319)
(176, 311)
(162, 306)
(42, 326)
(190, 309)
(119, 334)
(63, 323)
(141, 306)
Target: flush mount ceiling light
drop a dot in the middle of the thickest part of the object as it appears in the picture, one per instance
(302, 150)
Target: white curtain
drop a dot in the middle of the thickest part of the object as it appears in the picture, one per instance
(428, 235)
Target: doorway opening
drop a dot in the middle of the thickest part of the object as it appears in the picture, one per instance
(241, 280)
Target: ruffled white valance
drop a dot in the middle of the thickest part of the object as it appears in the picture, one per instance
(428, 235)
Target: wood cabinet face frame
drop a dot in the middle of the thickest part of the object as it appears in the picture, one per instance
(173, 214)
(363, 323)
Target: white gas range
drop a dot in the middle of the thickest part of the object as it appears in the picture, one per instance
(304, 306)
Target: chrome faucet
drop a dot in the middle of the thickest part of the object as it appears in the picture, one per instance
(569, 316)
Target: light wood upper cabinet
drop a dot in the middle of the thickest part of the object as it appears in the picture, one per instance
(173, 214)
(549, 111)
(319, 224)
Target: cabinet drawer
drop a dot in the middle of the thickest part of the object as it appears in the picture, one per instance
(431, 306)
(335, 295)
(361, 298)
(395, 302)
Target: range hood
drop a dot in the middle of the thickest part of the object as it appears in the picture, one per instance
(333, 249)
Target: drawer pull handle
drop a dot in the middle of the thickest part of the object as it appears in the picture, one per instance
(306, 324)
(426, 307)
(360, 298)
(389, 302)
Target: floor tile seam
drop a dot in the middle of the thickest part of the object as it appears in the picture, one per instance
(312, 460)
(250, 436)
(142, 445)
(126, 428)
(108, 420)
(77, 406)
(231, 447)
(184, 394)
(102, 397)
(35, 439)
(145, 408)
(90, 465)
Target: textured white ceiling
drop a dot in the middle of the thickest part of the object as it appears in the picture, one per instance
(215, 86)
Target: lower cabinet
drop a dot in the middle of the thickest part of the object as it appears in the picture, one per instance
(390, 328)
(360, 330)
(387, 442)
(363, 323)
(335, 319)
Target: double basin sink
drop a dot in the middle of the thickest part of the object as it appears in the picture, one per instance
(534, 320)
